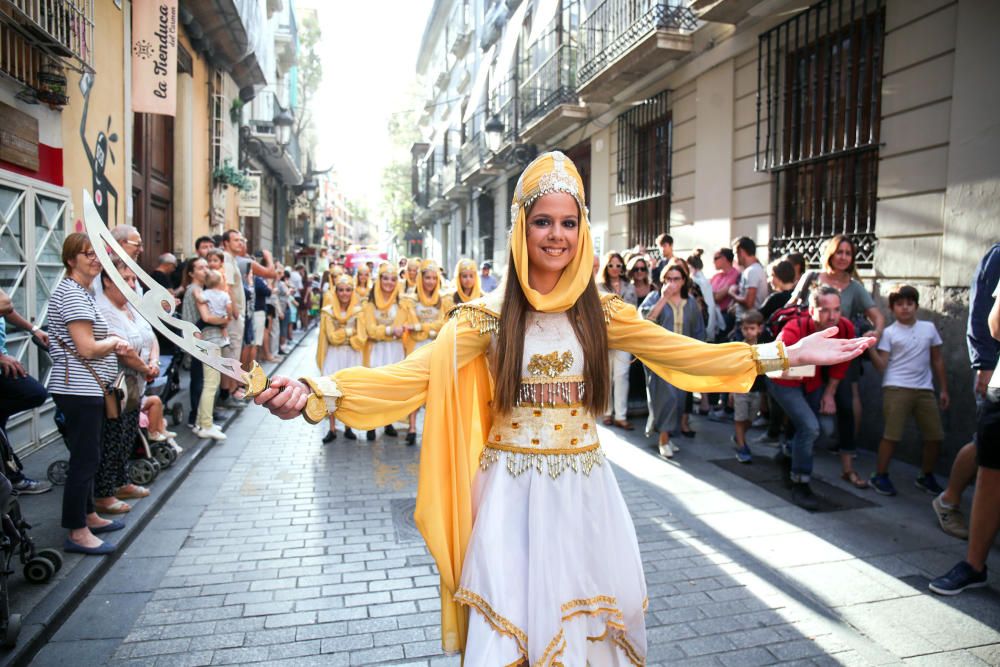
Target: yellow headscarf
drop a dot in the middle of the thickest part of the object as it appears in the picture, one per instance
(381, 303)
(547, 173)
(425, 298)
(362, 288)
(345, 314)
(413, 261)
(466, 264)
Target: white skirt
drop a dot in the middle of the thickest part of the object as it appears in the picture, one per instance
(339, 357)
(553, 571)
(385, 353)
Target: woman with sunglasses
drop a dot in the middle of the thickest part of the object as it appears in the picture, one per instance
(611, 280)
(83, 364)
(637, 270)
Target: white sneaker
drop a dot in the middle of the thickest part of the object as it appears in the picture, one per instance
(157, 437)
(174, 446)
(213, 433)
(667, 450)
(169, 434)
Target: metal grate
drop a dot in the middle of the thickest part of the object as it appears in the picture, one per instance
(644, 154)
(818, 108)
(818, 83)
(615, 26)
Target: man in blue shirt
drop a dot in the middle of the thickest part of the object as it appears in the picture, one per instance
(487, 282)
(18, 392)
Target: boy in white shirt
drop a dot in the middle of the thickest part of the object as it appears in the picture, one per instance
(907, 353)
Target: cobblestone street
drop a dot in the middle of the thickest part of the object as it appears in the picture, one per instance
(283, 551)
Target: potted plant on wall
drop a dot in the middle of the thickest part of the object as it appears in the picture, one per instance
(226, 175)
(236, 111)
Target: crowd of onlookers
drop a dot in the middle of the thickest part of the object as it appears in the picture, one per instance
(249, 304)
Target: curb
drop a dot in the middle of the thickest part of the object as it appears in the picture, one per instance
(42, 622)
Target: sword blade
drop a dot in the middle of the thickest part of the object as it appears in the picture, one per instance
(156, 304)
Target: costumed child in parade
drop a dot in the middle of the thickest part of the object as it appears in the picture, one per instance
(467, 286)
(430, 309)
(342, 337)
(387, 317)
(518, 507)
(363, 282)
(410, 276)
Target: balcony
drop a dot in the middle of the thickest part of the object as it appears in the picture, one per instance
(286, 40)
(59, 28)
(473, 157)
(224, 31)
(549, 101)
(452, 186)
(624, 40)
(724, 11)
(505, 106)
(459, 30)
(438, 203)
(284, 163)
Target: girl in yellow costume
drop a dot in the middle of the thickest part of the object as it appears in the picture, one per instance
(411, 277)
(430, 309)
(363, 282)
(342, 337)
(515, 501)
(467, 286)
(387, 319)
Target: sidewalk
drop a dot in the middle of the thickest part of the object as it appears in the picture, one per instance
(44, 606)
(280, 550)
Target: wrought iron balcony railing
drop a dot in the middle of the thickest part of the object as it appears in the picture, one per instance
(617, 25)
(61, 28)
(552, 84)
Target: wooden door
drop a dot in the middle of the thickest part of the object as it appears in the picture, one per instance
(153, 185)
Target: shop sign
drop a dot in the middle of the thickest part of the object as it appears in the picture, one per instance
(249, 205)
(154, 56)
(18, 138)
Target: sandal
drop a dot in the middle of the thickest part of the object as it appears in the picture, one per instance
(854, 479)
(624, 425)
(132, 491)
(117, 507)
(608, 421)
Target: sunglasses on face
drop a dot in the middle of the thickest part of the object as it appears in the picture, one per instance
(614, 266)
(638, 269)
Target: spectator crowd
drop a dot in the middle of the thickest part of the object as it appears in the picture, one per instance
(103, 352)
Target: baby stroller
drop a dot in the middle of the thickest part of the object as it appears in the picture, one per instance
(40, 565)
(167, 384)
(144, 465)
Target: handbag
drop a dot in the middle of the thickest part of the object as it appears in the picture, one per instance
(114, 392)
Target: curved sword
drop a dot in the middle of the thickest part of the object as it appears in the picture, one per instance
(156, 306)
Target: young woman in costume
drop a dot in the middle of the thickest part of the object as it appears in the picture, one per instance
(429, 308)
(410, 277)
(387, 318)
(515, 501)
(342, 337)
(363, 282)
(467, 287)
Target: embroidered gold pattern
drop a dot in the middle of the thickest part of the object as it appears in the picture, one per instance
(546, 393)
(552, 461)
(601, 605)
(552, 364)
(484, 322)
(610, 306)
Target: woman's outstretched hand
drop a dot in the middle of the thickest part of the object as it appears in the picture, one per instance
(284, 397)
(822, 349)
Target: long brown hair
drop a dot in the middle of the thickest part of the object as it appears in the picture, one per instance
(831, 248)
(587, 318)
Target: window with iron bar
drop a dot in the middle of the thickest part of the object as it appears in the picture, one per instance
(644, 159)
(818, 108)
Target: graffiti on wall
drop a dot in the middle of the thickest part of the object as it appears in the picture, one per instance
(98, 155)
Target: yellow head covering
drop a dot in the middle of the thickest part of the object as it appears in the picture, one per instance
(466, 264)
(547, 173)
(344, 314)
(381, 302)
(412, 263)
(433, 298)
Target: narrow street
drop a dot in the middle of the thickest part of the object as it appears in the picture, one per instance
(280, 550)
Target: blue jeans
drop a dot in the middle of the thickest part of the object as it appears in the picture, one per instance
(803, 411)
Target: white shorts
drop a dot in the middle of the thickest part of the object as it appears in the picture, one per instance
(259, 319)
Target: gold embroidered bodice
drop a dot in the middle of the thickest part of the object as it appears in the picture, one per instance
(548, 430)
(386, 317)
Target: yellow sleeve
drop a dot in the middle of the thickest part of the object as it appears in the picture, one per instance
(360, 338)
(407, 314)
(323, 343)
(434, 328)
(683, 362)
(373, 397)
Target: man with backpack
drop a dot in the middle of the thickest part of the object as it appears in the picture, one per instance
(809, 400)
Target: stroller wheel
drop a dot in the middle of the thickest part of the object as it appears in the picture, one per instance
(39, 570)
(164, 454)
(176, 413)
(141, 471)
(57, 472)
(156, 466)
(52, 556)
(12, 630)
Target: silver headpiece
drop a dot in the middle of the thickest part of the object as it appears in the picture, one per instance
(557, 180)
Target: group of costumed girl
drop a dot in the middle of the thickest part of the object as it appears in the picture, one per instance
(375, 326)
(535, 546)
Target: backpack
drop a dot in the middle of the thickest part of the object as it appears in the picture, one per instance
(779, 318)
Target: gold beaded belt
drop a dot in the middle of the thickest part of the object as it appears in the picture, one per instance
(550, 439)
